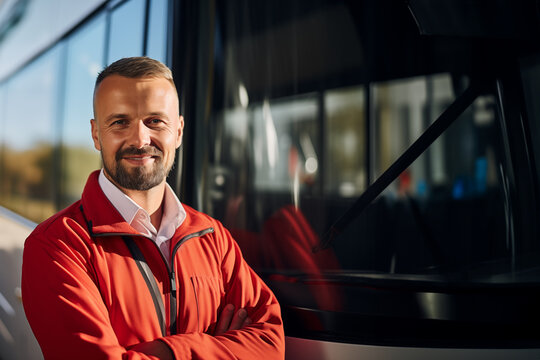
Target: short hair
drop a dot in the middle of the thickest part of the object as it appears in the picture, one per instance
(135, 67)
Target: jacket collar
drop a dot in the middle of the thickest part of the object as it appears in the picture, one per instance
(101, 216)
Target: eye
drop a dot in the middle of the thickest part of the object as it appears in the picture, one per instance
(119, 122)
(155, 121)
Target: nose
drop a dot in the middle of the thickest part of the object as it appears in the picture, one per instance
(139, 135)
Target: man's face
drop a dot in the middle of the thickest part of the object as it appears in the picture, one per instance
(137, 128)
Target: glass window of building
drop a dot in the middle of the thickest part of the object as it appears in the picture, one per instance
(126, 36)
(84, 59)
(158, 25)
(30, 142)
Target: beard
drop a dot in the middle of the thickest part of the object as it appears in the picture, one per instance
(137, 178)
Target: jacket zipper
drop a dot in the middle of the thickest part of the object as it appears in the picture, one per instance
(172, 276)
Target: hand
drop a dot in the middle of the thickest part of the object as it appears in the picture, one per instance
(229, 320)
(155, 348)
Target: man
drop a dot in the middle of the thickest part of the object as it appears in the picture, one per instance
(128, 271)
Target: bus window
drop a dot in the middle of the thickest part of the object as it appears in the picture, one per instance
(157, 37)
(29, 179)
(126, 36)
(346, 141)
(402, 110)
(530, 76)
(3, 188)
(84, 60)
(447, 216)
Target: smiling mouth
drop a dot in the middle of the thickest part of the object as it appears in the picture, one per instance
(140, 159)
(139, 156)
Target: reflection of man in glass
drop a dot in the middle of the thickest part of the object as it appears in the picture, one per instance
(130, 272)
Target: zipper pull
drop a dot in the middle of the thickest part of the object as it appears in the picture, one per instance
(173, 281)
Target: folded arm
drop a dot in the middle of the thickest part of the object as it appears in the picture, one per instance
(228, 320)
(261, 334)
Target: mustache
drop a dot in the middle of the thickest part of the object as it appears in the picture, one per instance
(144, 151)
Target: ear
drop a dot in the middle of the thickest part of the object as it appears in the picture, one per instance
(180, 131)
(95, 134)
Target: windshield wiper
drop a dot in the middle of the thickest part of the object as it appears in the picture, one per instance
(453, 111)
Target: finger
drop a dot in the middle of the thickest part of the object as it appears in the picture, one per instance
(238, 319)
(247, 322)
(224, 319)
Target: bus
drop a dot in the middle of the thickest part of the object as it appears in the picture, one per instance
(378, 161)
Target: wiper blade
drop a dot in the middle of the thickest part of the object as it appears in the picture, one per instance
(446, 119)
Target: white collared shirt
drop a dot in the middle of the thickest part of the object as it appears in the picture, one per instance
(172, 218)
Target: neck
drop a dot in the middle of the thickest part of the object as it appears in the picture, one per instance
(150, 200)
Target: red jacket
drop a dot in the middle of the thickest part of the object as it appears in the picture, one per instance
(86, 298)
